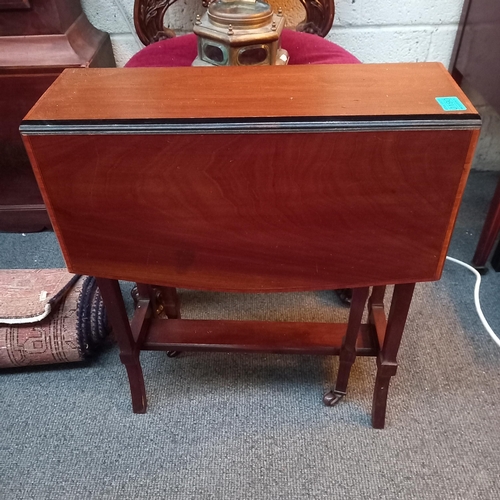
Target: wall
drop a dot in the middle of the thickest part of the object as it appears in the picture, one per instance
(373, 30)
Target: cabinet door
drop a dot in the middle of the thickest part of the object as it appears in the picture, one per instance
(478, 59)
(21, 204)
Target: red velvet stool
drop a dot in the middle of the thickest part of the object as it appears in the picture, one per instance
(302, 48)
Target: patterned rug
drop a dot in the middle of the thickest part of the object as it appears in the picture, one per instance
(49, 316)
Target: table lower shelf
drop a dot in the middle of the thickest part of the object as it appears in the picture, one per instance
(250, 336)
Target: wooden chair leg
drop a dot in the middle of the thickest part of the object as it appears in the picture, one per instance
(490, 231)
(348, 349)
(129, 350)
(387, 358)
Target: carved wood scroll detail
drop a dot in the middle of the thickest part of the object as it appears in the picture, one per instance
(149, 18)
(319, 17)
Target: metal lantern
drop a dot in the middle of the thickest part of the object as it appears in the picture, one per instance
(239, 33)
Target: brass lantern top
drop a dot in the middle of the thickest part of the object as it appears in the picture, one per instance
(240, 13)
(239, 33)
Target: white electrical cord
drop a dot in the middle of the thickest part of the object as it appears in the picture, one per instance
(476, 299)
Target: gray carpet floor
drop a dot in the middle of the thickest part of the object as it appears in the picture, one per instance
(246, 426)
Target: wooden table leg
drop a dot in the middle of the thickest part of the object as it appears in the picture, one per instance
(495, 260)
(170, 301)
(377, 296)
(164, 299)
(129, 350)
(387, 358)
(348, 349)
(376, 312)
(172, 307)
(490, 231)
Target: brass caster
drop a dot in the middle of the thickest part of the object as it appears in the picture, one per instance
(173, 354)
(332, 398)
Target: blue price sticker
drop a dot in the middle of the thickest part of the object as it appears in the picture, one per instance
(451, 103)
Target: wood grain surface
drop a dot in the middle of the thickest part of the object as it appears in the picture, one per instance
(255, 212)
(405, 90)
(256, 336)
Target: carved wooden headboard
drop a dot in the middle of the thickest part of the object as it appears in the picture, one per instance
(149, 18)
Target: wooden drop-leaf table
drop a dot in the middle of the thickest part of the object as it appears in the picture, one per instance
(266, 179)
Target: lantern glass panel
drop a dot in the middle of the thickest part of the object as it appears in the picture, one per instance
(214, 53)
(250, 56)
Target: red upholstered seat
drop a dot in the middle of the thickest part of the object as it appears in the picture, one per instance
(302, 48)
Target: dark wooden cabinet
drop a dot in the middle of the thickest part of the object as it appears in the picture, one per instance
(476, 59)
(475, 55)
(38, 39)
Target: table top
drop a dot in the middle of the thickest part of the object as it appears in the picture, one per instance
(297, 92)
